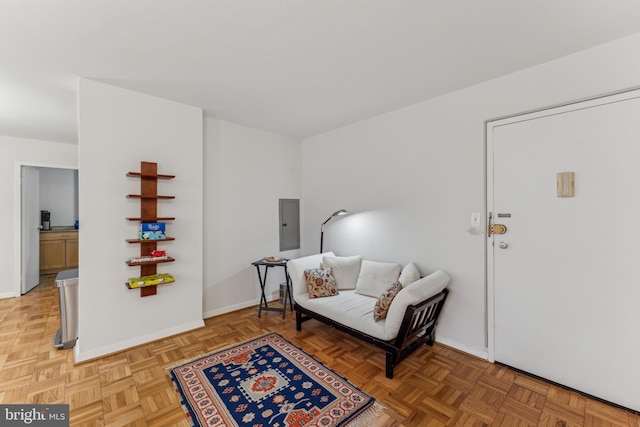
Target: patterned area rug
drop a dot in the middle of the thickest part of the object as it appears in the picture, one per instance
(268, 382)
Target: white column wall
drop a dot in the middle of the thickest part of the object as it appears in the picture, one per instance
(118, 129)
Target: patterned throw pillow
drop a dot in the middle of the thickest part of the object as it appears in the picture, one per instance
(320, 282)
(384, 301)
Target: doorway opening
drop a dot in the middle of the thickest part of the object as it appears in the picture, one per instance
(48, 240)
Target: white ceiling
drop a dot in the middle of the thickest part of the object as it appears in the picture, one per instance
(296, 67)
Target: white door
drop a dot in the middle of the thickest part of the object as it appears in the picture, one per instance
(564, 280)
(30, 220)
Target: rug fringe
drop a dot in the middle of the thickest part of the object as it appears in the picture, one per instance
(368, 417)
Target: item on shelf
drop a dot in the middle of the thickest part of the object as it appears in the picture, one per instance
(147, 258)
(152, 226)
(152, 235)
(152, 231)
(158, 253)
(152, 280)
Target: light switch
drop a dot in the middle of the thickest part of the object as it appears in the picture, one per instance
(475, 219)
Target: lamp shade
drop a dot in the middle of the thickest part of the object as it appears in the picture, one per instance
(336, 213)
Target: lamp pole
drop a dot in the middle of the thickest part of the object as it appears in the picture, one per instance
(336, 213)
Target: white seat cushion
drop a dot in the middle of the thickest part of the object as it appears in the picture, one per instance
(350, 309)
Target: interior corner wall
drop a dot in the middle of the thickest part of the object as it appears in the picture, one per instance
(15, 152)
(118, 129)
(246, 172)
(411, 178)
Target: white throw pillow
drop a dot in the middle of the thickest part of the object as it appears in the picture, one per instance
(409, 274)
(345, 270)
(376, 277)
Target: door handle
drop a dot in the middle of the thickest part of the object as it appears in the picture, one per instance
(503, 245)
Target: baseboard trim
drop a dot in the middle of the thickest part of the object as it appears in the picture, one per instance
(483, 354)
(235, 307)
(84, 356)
(8, 295)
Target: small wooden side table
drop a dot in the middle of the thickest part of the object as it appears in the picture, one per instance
(263, 281)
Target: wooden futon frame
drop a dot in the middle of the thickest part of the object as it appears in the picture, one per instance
(417, 328)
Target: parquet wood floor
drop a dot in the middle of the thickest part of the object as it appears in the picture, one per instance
(436, 386)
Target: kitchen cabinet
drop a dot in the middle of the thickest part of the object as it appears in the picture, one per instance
(58, 251)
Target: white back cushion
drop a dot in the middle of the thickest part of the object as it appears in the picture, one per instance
(409, 274)
(376, 277)
(345, 270)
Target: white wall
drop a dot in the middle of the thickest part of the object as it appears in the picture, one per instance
(59, 195)
(246, 172)
(118, 129)
(412, 177)
(15, 152)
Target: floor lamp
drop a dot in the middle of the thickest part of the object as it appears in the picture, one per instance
(336, 213)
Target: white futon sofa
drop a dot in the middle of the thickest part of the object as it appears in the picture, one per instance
(381, 303)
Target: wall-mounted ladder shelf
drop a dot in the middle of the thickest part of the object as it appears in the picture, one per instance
(149, 197)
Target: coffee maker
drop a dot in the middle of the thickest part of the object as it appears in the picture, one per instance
(45, 220)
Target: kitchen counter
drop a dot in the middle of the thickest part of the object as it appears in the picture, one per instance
(60, 229)
(58, 249)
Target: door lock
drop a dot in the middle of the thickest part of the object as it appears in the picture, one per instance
(497, 229)
(503, 245)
